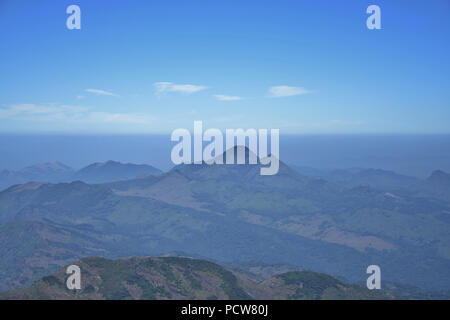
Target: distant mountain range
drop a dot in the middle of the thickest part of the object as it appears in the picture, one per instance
(57, 172)
(185, 278)
(437, 185)
(362, 176)
(232, 214)
(48, 172)
(112, 171)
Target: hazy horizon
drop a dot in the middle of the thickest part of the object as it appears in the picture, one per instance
(415, 155)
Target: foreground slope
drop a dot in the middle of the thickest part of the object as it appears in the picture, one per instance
(185, 278)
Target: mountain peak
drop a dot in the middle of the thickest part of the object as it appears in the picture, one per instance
(102, 164)
(439, 176)
(110, 170)
(47, 166)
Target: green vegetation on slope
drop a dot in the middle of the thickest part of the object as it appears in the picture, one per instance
(185, 278)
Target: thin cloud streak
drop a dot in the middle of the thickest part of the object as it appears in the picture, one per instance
(32, 112)
(165, 87)
(286, 91)
(101, 92)
(222, 97)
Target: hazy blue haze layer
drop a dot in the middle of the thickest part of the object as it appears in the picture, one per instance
(416, 155)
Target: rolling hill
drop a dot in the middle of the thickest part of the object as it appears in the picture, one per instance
(185, 278)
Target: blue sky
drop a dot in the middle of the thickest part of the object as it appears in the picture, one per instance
(153, 66)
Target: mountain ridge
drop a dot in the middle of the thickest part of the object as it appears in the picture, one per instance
(185, 278)
(57, 172)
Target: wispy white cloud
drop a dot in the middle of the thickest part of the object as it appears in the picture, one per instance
(164, 87)
(32, 112)
(286, 91)
(101, 92)
(222, 97)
